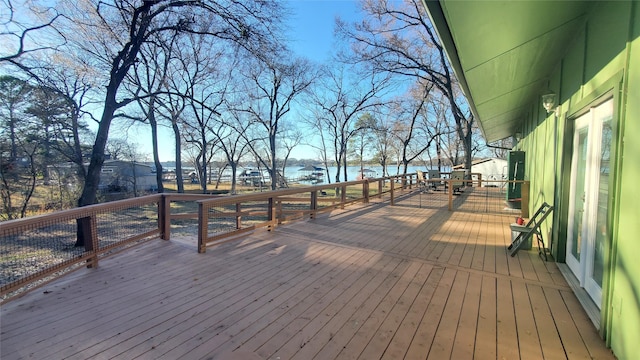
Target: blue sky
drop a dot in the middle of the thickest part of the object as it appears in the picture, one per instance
(312, 25)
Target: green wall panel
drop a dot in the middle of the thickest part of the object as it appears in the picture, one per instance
(539, 161)
(607, 35)
(625, 293)
(598, 56)
(573, 72)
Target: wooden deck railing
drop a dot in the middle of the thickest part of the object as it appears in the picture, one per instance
(39, 247)
(45, 246)
(224, 218)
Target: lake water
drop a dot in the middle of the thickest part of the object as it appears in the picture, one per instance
(293, 173)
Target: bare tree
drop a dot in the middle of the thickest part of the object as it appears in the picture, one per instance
(412, 127)
(292, 137)
(246, 24)
(272, 87)
(231, 141)
(500, 149)
(172, 106)
(339, 101)
(134, 157)
(75, 85)
(317, 123)
(150, 77)
(209, 77)
(383, 139)
(27, 29)
(360, 141)
(398, 38)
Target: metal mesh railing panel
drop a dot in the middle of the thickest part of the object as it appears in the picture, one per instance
(484, 200)
(184, 226)
(257, 212)
(295, 207)
(117, 226)
(222, 219)
(38, 248)
(26, 253)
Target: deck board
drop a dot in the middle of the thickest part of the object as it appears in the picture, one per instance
(445, 334)
(507, 333)
(486, 330)
(463, 347)
(374, 281)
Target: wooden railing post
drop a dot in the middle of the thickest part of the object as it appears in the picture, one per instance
(271, 218)
(314, 204)
(391, 191)
(164, 217)
(238, 216)
(203, 222)
(88, 236)
(365, 191)
(380, 187)
(450, 182)
(479, 180)
(279, 214)
(343, 196)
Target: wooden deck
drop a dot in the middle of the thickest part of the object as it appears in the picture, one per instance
(370, 282)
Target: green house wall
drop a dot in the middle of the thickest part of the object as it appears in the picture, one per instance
(602, 62)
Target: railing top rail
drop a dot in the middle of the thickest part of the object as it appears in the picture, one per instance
(277, 193)
(187, 197)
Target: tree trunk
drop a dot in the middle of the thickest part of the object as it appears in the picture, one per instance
(178, 154)
(135, 179)
(439, 155)
(202, 172)
(47, 155)
(234, 169)
(344, 164)
(274, 169)
(154, 141)
(92, 179)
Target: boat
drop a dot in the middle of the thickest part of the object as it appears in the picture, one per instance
(366, 174)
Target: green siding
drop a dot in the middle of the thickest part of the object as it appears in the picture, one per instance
(573, 72)
(625, 299)
(538, 146)
(606, 50)
(606, 40)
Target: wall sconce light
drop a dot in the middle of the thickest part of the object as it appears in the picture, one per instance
(518, 136)
(549, 102)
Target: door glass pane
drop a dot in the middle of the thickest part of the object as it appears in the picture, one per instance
(581, 167)
(603, 199)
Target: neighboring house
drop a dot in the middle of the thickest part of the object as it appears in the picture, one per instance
(489, 168)
(117, 175)
(583, 153)
(65, 173)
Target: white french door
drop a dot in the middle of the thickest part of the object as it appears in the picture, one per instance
(588, 198)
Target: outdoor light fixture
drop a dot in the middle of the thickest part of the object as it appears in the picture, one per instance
(549, 102)
(518, 136)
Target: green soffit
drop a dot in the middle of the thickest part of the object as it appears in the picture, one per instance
(503, 53)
